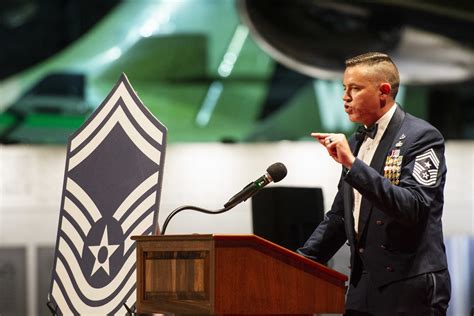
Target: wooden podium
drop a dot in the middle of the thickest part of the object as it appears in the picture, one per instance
(231, 274)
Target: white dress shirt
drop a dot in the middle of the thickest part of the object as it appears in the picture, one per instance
(366, 153)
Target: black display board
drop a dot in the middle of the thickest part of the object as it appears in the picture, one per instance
(287, 215)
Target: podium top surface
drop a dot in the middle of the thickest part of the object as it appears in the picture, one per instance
(258, 243)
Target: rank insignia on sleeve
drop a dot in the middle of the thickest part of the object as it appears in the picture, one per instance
(425, 170)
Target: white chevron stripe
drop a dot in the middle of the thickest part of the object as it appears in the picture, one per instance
(418, 168)
(130, 301)
(72, 234)
(424, 155)
(135, 195)
(60, 300)
(139, 230)
(96, 294)
(85, 309)
(428, 183)
(117, 117)
(429, 154)
(139, 116)
(141, 208)
(433, 157)
(76, 213)
(84, 198)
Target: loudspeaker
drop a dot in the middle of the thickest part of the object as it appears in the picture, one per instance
(287, 215)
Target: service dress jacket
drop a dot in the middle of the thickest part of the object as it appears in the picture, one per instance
(400, 229)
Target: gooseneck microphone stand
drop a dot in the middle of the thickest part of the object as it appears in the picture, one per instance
(194, 208)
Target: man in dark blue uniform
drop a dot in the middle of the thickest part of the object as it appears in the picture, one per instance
(390, 199)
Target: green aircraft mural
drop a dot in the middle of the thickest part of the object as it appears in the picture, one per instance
(200, 67)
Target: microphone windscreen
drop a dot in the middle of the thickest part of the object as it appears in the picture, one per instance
(277, 171)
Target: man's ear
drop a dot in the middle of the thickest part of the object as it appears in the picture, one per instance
(385, 88)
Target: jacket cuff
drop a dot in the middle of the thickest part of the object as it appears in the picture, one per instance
(353, 175)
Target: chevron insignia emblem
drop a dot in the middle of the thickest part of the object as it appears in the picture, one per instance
(425, 170)
(111, 191)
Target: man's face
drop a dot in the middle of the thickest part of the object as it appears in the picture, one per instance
(361, 95)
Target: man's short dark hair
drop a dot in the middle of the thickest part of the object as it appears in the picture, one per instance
(375, 59)
(370, 58)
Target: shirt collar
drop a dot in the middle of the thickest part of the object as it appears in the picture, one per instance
(385, 120)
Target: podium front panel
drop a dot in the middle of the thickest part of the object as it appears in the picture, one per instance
(174, 276)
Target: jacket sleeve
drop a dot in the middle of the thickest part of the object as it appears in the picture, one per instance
(409, 201)
(330, 234)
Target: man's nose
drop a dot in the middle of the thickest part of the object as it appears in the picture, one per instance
(345, 96)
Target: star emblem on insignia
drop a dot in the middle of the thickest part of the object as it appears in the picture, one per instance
(102, 254)
(427, 164)
(425, 175)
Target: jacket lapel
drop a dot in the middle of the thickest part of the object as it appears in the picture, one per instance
(349, 198)
(378, 161)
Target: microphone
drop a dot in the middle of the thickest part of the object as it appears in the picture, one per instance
(275, 173)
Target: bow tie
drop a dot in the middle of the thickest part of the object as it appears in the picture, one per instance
(363, 131)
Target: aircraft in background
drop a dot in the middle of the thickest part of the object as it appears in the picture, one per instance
(232, 71)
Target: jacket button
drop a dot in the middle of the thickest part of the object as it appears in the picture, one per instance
(389, 269)
(379, 222)
(383, 246)
(361, 250)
